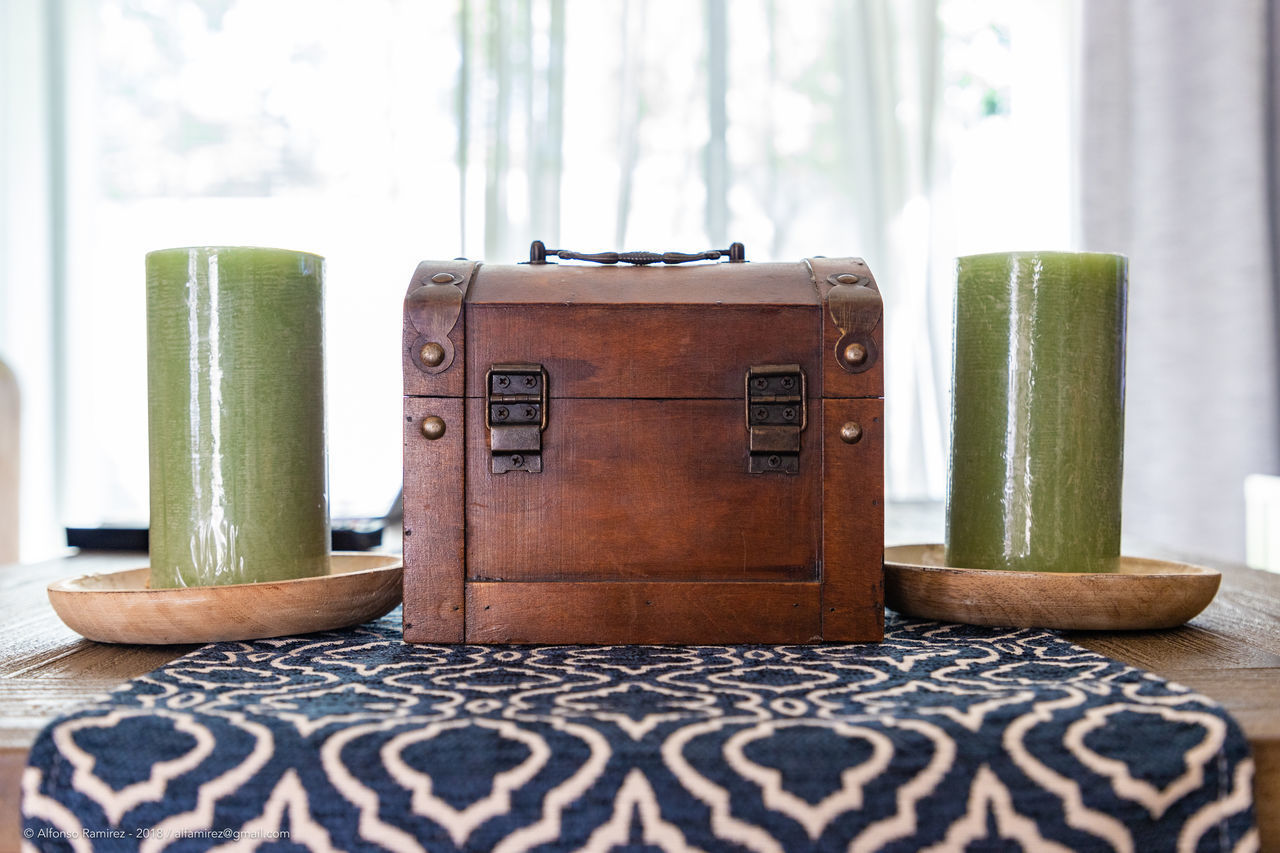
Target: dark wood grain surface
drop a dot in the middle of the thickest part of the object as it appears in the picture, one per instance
(753, 283)
(853, 521)
(621, 351)
(1230, 652)
(434, 535)
(642, 490)
(645, 613)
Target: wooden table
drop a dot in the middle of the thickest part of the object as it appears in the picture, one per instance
(1230, 652)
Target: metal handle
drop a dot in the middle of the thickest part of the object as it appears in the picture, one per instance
(538, 253)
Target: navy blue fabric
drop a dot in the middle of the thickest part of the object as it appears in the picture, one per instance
(942, 737)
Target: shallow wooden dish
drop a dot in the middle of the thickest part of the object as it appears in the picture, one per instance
(1141, 595)
(119, 608)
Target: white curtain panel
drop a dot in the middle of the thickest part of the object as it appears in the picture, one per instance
(387, 131)
(798, 129)
(1178, 169)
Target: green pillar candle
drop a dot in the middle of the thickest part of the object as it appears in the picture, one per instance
(235, 381)
(1037, 412)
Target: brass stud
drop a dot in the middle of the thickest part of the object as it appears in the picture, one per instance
(855, 353)
(851, 432)
(432, 354)
(433, 427)
(442, 278)
(847, 278)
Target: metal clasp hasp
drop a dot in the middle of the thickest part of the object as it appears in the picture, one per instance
(515, 413)
(776, 415)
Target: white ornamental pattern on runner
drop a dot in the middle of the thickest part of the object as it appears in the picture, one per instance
(940, 737)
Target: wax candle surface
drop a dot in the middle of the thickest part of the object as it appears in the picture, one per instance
(1037, 412)
(235, 379)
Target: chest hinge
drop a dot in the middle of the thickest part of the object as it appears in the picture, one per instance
(515, 414)
(776, 416)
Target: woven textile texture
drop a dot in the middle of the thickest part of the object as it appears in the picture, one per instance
(942, 737)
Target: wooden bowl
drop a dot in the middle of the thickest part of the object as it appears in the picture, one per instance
(119, 608)
(1140, 595)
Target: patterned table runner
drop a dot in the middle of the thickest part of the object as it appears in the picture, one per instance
(944, 737)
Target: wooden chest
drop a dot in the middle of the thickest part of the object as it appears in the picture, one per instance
(643, 453)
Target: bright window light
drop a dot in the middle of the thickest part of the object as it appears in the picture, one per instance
(385, 132)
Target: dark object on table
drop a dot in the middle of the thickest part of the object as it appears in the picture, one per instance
(655, 453)
(350, 534)
(108, 537)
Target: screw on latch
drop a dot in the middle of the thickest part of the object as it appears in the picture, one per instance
(759, 384)
(789, 414)
(517, 460)
(788, 382)
(530, 381)
(760, 414)
(774, 461)
(501, 413)
(529, 412)
(503, 381)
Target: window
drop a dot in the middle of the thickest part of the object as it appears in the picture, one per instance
(381, 133)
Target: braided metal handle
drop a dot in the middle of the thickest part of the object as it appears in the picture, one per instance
(538, 253)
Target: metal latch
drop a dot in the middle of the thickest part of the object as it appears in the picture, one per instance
(515, 414)
(775, 417)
